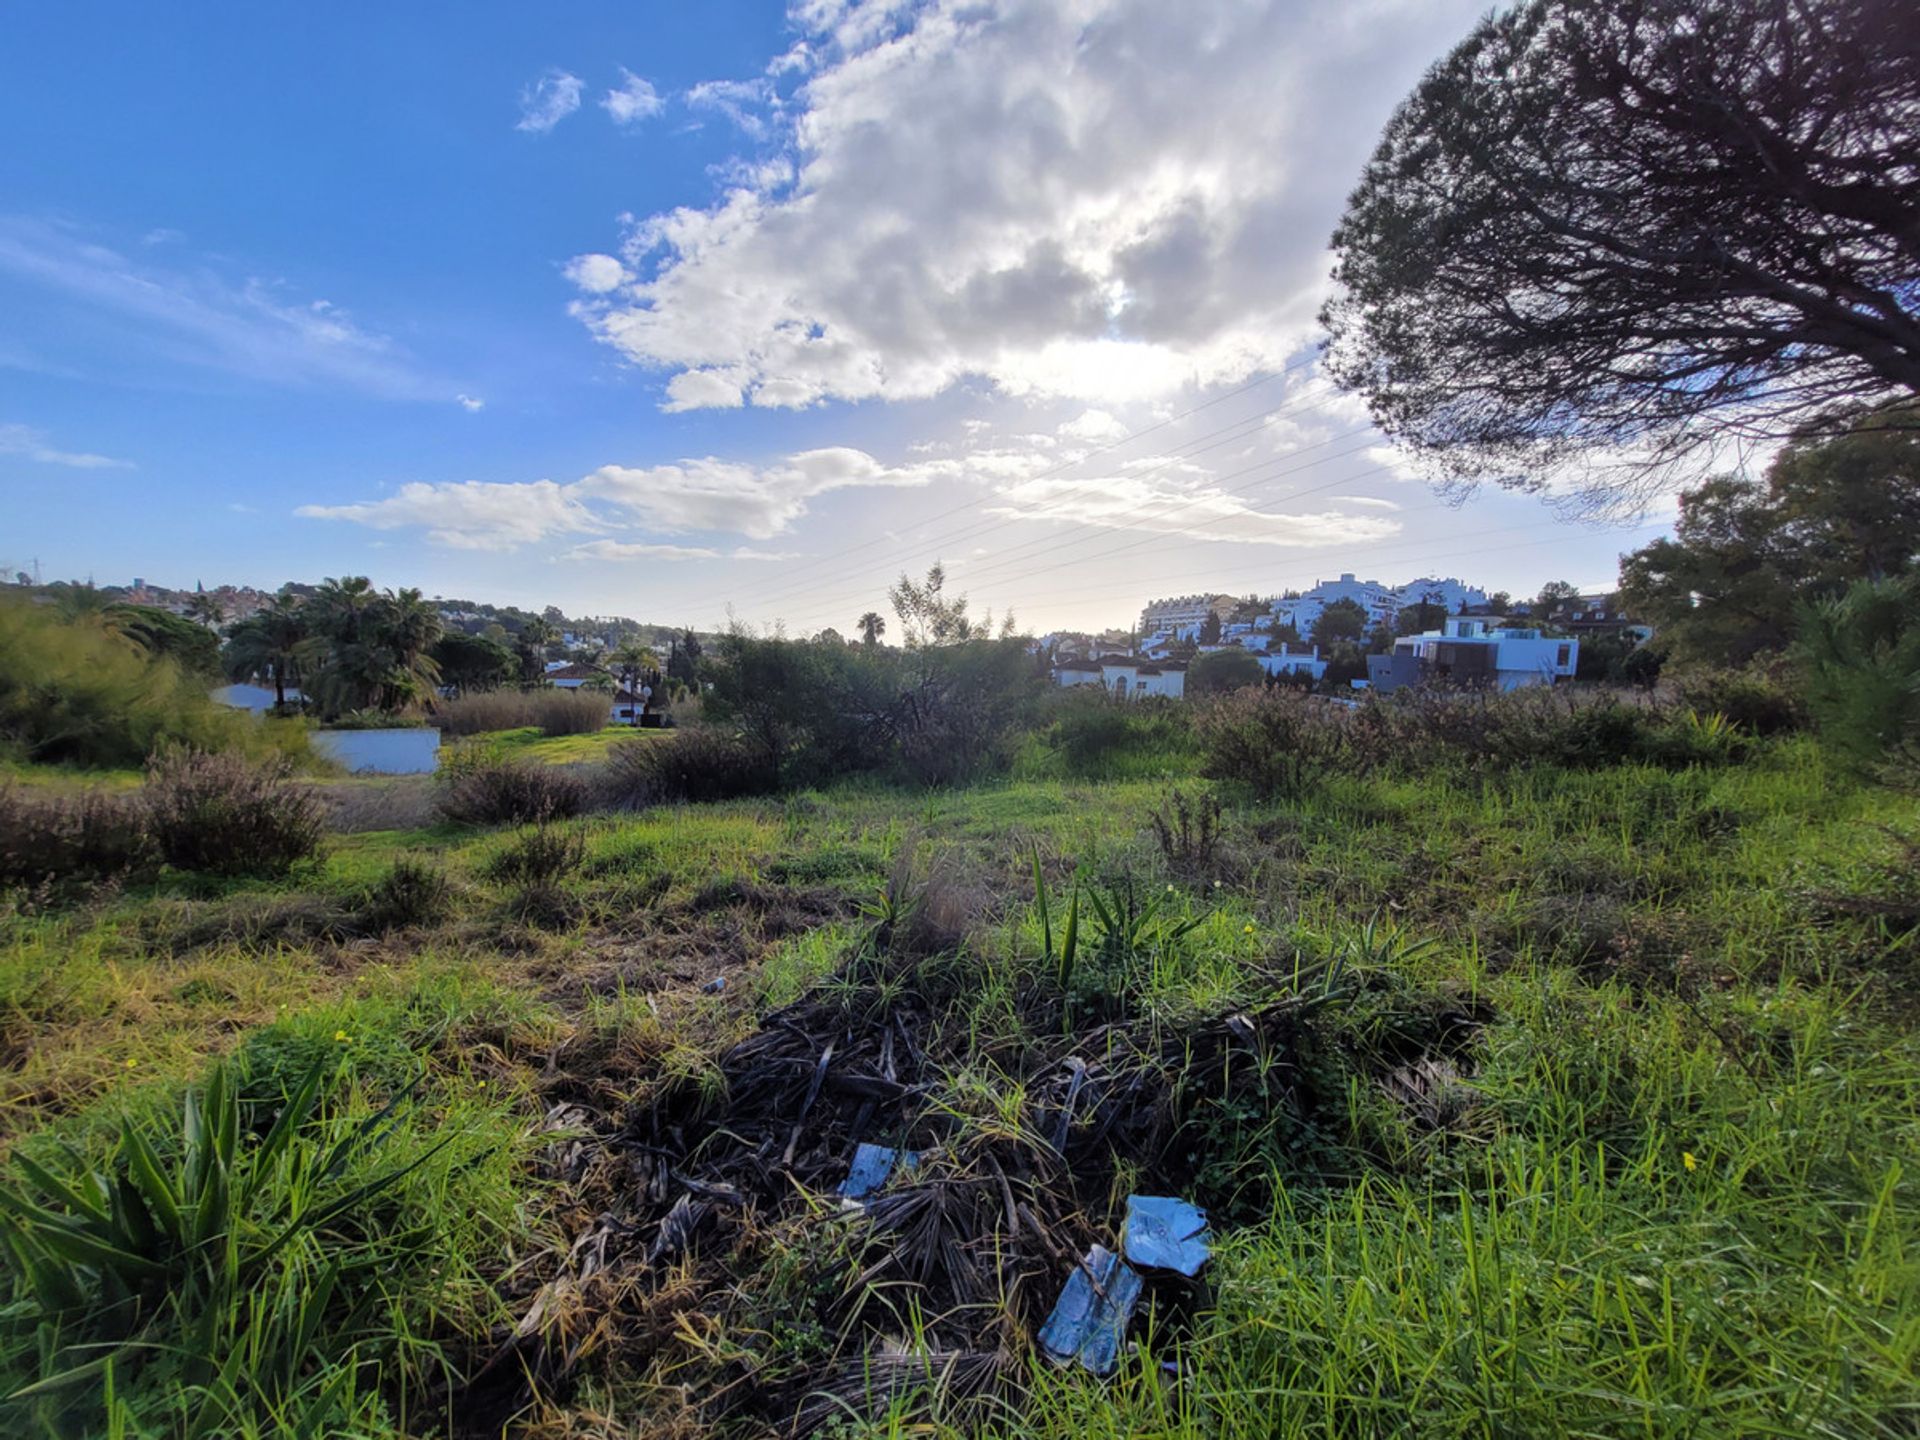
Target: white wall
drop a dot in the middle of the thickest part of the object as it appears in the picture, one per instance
(380, 752)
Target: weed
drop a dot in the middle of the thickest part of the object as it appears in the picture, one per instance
(543, 856)
(223, 814)
(488, 790)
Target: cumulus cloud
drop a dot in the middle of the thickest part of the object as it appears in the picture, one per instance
(1158, 505)
(1111, 201)
(548, 101)
(471, 514)
(596, 274)
(32, 444)
(632, 100)
(709, 494)
(470, 403)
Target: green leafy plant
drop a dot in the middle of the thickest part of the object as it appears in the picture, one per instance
(239, 1260)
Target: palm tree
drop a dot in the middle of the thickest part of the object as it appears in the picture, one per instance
(406, 626)
(267, 642)
(532, 642)
(872, 627)
(206, 608)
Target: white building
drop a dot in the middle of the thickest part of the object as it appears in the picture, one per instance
(1125, 677)
(1184, 612)
(1294, 662)
(1451, 594)
(1474, 652)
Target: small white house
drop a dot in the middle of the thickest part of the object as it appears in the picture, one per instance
(1468, 651)
(1285, 661)
(1126, 677)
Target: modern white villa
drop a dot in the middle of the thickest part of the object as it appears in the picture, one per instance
(1468, 651)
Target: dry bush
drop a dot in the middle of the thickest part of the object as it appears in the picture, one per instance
(571, 712)
(223, 814)
(55, 841)
(413, 893)
(555, 712)
(1278, 741)
(488, 710)
(542, 857)
(488, 790)
(686, 765)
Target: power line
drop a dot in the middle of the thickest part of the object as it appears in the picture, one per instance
(1066, 465)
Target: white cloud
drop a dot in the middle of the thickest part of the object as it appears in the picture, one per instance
(32, 444)
(596, 274)
(1160, 505)
(252, 328)
(471, 514)
(706, 495)
(470, 403)
(1109, 200)
(632, 100)
(548, 101)
(1093, 425)
(752, 105)
(622, 550)
(1372, 502)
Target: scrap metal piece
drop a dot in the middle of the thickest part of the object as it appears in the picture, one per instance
(1089, 1321)
(871, 1168)
(1165, 1233)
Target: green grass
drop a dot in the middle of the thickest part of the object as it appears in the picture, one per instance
(1676, 1197)
(527, 742)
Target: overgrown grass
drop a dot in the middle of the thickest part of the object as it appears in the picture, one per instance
(1669, 1192)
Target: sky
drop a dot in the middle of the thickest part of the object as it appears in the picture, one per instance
(705, 312)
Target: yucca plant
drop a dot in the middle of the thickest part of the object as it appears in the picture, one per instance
(219, 1255)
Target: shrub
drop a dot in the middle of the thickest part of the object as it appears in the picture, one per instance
(489, 710)
(554, 712)
(489, 790)
(413, 892)
(572, 712)
(55, 841)
(1099, 737)
(696, 765)
(75, 692)
(1279, 741)
(1755, 699)
(1860, 654)
(540, 858)
(227, 815)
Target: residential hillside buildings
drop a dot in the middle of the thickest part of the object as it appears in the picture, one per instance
(1184, 612)
(1476, 652)
(1164, 622)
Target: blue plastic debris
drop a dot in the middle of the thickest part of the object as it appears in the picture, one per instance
(1090, 1319)
(1163, 1233)
(872, 1164)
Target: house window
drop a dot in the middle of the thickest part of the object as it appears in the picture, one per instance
(1120, 686)
(1566, 654)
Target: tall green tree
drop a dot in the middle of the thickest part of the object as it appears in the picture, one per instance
(1342, 622)
(1603, 233)
(269, 642)
(872, 626)
(1860, 655)
(1745, 554)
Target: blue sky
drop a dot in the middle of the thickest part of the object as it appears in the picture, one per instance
(662, 310)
